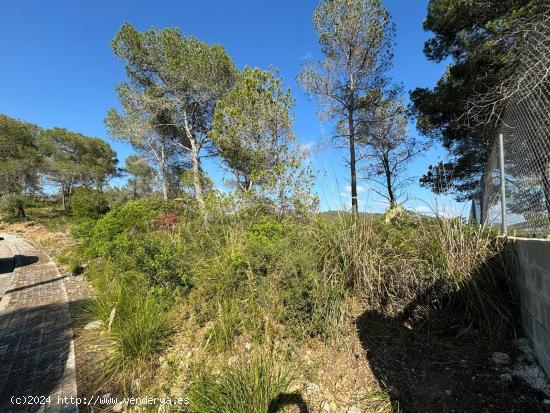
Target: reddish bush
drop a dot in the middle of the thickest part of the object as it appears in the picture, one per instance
(167, 221)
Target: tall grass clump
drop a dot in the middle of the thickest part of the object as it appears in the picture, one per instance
(257, 385)
(138, 324)
(477, 282)
(226, 327)
(371, 259)
(410, 264)
(382, 402)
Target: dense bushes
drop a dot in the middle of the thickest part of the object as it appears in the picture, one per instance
(88, 204)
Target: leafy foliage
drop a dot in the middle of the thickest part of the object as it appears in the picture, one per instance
(20, 161)
(141, 176)
(253, 129)
(89, 204)
(73, 159)
(471, 34)
(175, 81)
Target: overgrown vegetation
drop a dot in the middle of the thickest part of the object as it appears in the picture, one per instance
(258, 277)
(222, 292)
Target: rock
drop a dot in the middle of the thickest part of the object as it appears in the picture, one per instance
(117, 408)
(448, 392)
(546, 402)
(327, 406)
(500, 358)
(354, 409)
(295, 388)
(247, 345)
(112, 317)
(93, 325)
(136, 385)
(506, 377)
(527, 352)
(534, 376)
(312, 388)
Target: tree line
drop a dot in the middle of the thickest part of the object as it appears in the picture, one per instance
(32, 158)
(184, 101)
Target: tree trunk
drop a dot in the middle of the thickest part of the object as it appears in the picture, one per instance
(20, 210)
(70, 194)
(164, 174)
(389, 186)
(164, 177)
(351, 126)
(195, 161)
(63, 203)
(197, 175)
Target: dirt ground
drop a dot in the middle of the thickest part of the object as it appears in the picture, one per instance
(434, 371)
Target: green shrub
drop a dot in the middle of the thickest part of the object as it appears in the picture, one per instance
(163, 259)
(258, 386)
(134, 218)
(82, 230)
(88, 204)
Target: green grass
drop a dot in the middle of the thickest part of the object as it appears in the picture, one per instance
(50, 216)
(138, 325)
(382, 402)
(258, 385)
(268, 278)
(226, 327)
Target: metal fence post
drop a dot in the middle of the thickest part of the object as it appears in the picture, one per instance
(502, 184)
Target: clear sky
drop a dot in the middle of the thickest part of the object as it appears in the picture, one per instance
(57, 68)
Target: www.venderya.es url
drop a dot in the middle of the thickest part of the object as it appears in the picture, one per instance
(98, 400)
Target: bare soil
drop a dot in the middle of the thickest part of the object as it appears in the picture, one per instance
(436, 371)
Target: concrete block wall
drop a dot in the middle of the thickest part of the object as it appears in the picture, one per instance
(534, 290)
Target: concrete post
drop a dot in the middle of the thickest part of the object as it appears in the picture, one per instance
(502, 184)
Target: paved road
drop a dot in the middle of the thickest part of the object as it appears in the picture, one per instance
(36, 339)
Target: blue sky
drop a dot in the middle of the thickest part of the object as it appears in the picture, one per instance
(58, 69)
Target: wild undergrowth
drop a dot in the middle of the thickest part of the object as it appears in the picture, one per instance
(258, 385)
(251, 275)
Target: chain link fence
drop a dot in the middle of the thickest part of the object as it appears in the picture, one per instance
(525, 130)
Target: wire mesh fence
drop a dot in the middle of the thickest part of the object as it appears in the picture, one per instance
(525, 130)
